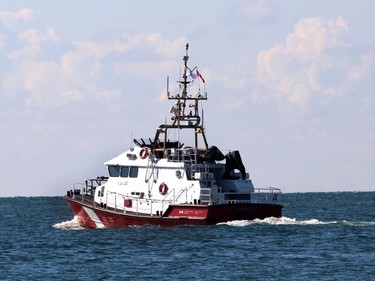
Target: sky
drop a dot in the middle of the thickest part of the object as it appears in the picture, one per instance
(290, 85)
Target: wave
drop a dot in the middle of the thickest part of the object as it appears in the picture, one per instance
(293, 221)
(75, 225)
(276, 221)
(359, 223)
(69, 225)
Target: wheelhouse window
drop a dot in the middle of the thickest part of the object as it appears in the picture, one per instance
(114, 171)
(133, 172)
(124, 171)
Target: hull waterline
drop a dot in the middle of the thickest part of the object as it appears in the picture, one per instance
(91, 216)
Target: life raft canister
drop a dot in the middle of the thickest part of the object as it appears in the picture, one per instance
(127, 202)
(143, 153)
(163, 188)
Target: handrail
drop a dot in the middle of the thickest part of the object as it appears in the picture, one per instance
(269, 195)
(171, 196)
(165, 199)
(267, 190)
(186, 154)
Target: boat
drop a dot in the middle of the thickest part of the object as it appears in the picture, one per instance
(161, 181)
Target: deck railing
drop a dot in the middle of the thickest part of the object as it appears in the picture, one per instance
(267, 194)
(117, 200)
(267, 190)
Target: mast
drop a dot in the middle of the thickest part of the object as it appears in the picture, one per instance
(181, 119)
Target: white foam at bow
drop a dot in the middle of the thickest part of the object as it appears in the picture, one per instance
(69, 225)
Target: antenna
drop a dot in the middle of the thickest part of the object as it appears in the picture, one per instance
(184, 100)
(202, 118)
(168, 86)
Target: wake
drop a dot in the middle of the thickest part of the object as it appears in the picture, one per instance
(291, 221)
(69, 225)
(75, 225)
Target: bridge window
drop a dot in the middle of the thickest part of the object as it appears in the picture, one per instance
(124, 171)
(114, 171)
(133, 172)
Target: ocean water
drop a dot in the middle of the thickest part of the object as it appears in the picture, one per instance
(321, 236)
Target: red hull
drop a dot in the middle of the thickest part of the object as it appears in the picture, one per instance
(187, 214)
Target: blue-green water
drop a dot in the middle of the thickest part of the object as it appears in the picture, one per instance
(322, 236)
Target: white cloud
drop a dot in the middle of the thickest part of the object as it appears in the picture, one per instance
(315, 62)
(312, 36)
(34, 36)
(254, 11)
(365, 69)
(34, 40)
(89, 70)
(12, 20)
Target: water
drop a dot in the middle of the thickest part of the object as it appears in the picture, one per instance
(321, 236)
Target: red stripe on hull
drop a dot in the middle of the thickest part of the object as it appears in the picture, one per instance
(223, 213)
(175, 215)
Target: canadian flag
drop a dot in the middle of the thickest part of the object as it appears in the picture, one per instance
(200, 76)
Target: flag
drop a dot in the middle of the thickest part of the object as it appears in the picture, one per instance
(200, 76)
(192, 74)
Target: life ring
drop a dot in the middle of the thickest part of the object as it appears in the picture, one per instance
(127, 202)
(143, 153)
(163, 188)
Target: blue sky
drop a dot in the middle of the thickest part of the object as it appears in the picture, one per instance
(290, 84)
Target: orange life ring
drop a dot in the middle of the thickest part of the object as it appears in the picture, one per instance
(163, 188)
(143, 153)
